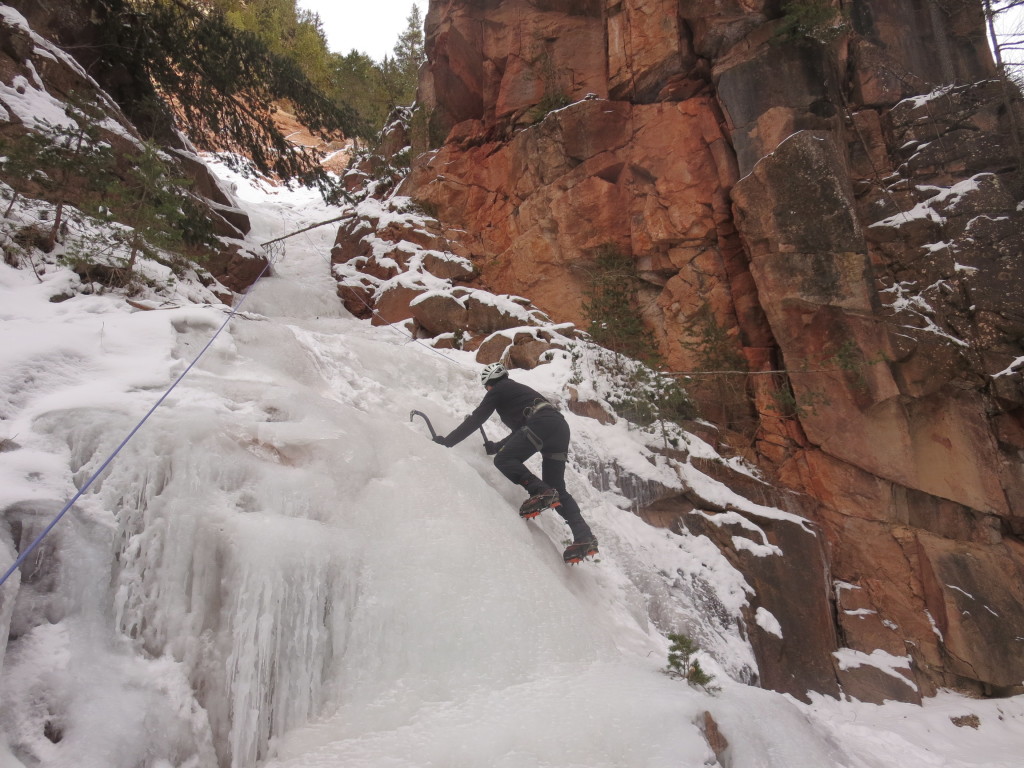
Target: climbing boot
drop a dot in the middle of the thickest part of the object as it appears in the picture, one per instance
(537, 503)
(579, 551)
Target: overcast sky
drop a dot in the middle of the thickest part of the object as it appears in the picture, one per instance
(370, 26)
(1012, 24)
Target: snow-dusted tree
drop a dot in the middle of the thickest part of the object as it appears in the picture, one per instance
(58, 163)
(222, 81)
(409, 55)
(148, 198)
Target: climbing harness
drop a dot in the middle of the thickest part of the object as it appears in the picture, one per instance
(538, 405)
(534, 438)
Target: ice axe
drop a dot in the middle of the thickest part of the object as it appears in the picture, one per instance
(433, 434)
(423, 416)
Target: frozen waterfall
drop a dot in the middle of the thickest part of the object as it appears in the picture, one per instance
(282, 570)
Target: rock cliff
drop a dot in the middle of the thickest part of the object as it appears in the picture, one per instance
(828, 197)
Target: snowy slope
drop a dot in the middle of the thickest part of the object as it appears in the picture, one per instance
(335, 589)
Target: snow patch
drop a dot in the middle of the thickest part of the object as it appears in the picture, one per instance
(847, 658)
(766, 620)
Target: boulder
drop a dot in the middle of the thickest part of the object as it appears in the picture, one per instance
(437, 313)
(393, 305)
(529, 354)
(717, 27)
(494, 347)
(590, 409)
(902, 49)
(800, 661)
(647, 47)
(487, 317)
(875, 685)
(532, 58)
(357, 299)
(763, 112)
(395, 136)
(448, 267)
(236, 267)
(349, 243)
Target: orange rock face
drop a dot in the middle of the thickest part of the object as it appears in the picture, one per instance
(598, 173)
(815, 215)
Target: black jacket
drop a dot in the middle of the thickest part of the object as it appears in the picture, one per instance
(509, 398)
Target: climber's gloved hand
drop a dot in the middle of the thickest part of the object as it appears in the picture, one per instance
(442, 440)
(491, 447)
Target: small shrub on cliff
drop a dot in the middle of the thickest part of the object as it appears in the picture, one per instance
(811, 20)
(635, 392)
(554, 96)
(645, 397)
(789, 406)
(714, 348)
(682, 665)
(611, 304)
(550, 102)
(849, 359)
(721, 379)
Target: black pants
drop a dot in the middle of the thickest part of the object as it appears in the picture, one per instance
(550, 434)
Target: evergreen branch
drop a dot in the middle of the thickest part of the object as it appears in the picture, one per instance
(222, 83)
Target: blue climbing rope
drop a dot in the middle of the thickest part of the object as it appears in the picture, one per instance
(38, 540)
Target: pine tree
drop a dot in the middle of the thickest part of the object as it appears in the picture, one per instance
(20, 163)
(138, 190)
(74, 151)
(222, 80)
(155, 205)
(409, 55)
(681, 663)
(611, 304)
(309, 48)
(51, 162)
(359, 81)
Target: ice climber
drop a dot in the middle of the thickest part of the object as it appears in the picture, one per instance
(536, 426)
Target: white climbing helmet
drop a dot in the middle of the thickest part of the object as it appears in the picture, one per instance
(492, 372)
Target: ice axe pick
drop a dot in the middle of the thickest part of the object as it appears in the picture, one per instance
(433, 434)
